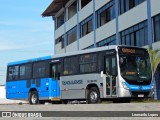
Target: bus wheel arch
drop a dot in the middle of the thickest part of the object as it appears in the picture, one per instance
(92, 94)
(33, 96)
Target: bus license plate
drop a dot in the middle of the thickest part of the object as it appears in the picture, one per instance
(141, 95)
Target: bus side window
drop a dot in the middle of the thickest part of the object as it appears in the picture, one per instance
(114, 67)
(110, 66)
(107, 70)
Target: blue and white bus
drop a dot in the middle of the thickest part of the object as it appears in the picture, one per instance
(91, 75)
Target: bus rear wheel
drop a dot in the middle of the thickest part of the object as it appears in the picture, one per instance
(93, 96)
(33, 97)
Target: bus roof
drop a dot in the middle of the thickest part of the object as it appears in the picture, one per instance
(68, 54)
(29, 60)
(85, 51)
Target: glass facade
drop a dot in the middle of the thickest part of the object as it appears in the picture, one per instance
(156, 22)
(135, 35)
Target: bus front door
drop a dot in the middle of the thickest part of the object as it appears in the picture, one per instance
(111, 73)
(54, 84)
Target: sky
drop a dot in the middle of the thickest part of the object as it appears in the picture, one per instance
(24, 33)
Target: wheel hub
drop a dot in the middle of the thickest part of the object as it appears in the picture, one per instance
(34, 99)
(93, 96)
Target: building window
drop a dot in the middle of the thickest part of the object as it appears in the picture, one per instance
(84, 3)
(60, 40)
(60, 20)
(87, 26)
(126, 5)
(70, 66)
(156, 22)
(106, 14)
(88, 63)
(135, 36)
(109, 41)
(72, 10)
(71, 35)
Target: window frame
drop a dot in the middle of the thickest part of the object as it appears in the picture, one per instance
(31, 74)
(106, 7)
(47, 63)
(76, 56)
(128, 7)
(155, 27)
(11, 80)
(135, 29)
(86, 21)
(96, 62)
(69, 33)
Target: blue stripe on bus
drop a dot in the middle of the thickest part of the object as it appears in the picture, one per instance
(30, 60)
(139, 87)
(18, 90)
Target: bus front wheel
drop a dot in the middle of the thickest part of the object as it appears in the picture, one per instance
(33, 97)
(93, 96)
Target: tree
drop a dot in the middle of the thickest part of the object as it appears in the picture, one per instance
(155, 59)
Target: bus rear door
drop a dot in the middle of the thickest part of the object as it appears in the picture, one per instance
(54, 83)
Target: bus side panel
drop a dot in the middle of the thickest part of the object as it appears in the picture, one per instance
(42, 87)
(54, 88)
(15, 90)
(74, 86)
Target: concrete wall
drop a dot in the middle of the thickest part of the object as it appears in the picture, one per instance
(106, 30)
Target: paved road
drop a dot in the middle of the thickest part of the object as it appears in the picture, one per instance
(86, 107)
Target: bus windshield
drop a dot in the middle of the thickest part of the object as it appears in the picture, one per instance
(135, 67)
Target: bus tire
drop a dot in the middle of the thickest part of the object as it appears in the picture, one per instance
(93, 96)
(33, 98)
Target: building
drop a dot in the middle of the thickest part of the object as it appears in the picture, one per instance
(84, 24)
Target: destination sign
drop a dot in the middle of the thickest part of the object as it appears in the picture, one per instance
(132, 50)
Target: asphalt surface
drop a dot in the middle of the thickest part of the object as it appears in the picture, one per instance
(108, 108)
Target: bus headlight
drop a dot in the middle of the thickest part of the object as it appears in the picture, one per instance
(125, 86)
